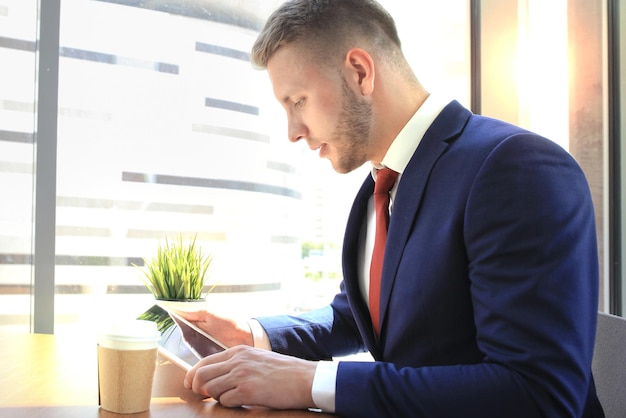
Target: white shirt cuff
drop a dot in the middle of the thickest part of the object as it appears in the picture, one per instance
(323, 390)
(259, 336)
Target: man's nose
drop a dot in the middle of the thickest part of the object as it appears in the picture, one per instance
(296, 131)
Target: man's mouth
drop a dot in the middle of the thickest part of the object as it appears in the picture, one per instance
(322, 151)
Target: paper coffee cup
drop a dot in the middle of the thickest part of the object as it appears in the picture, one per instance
(127, 354)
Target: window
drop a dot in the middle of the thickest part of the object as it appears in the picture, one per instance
(544, 67)
(617, 106)
(18, 30)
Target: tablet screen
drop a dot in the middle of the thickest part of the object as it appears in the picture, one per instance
(184, 343)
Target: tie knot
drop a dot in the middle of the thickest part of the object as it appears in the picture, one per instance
(385, 179)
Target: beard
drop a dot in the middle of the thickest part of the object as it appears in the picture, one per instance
(351, 136)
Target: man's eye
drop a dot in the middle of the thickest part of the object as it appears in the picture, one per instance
(299, 102)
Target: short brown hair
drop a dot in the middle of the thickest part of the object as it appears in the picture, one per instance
(326, 28)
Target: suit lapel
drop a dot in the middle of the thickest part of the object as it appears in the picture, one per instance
(447, 126)
(351, 245)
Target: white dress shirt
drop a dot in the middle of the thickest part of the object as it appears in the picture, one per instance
(397, 158)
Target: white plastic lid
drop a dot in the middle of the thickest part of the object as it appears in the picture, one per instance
(129, 335)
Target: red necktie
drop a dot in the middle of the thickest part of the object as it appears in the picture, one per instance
(385, 179)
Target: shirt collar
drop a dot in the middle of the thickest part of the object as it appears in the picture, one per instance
(404, 145)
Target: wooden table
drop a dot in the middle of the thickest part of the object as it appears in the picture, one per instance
(56, 376)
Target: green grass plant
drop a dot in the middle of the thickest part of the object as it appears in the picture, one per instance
(178, 272)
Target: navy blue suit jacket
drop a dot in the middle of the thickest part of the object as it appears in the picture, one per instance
(489, 290)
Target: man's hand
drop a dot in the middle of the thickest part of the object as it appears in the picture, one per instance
(248, 376)
(229, 331)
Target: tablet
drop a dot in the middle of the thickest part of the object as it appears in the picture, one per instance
(184, 343)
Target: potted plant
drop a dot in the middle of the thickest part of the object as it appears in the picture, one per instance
(178, 272)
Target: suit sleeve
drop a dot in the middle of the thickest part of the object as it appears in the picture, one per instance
(530, 238)
(317, 335)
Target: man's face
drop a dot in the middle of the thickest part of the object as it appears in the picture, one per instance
(322, 109)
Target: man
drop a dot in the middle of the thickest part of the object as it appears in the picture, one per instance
(489, 288)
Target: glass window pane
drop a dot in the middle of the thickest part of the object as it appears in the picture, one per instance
(587, 114)
(18, 29)
(619, 92)
(565, 96)
(436, 41)
(168, 131)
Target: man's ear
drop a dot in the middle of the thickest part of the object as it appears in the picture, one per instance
(359, 66)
